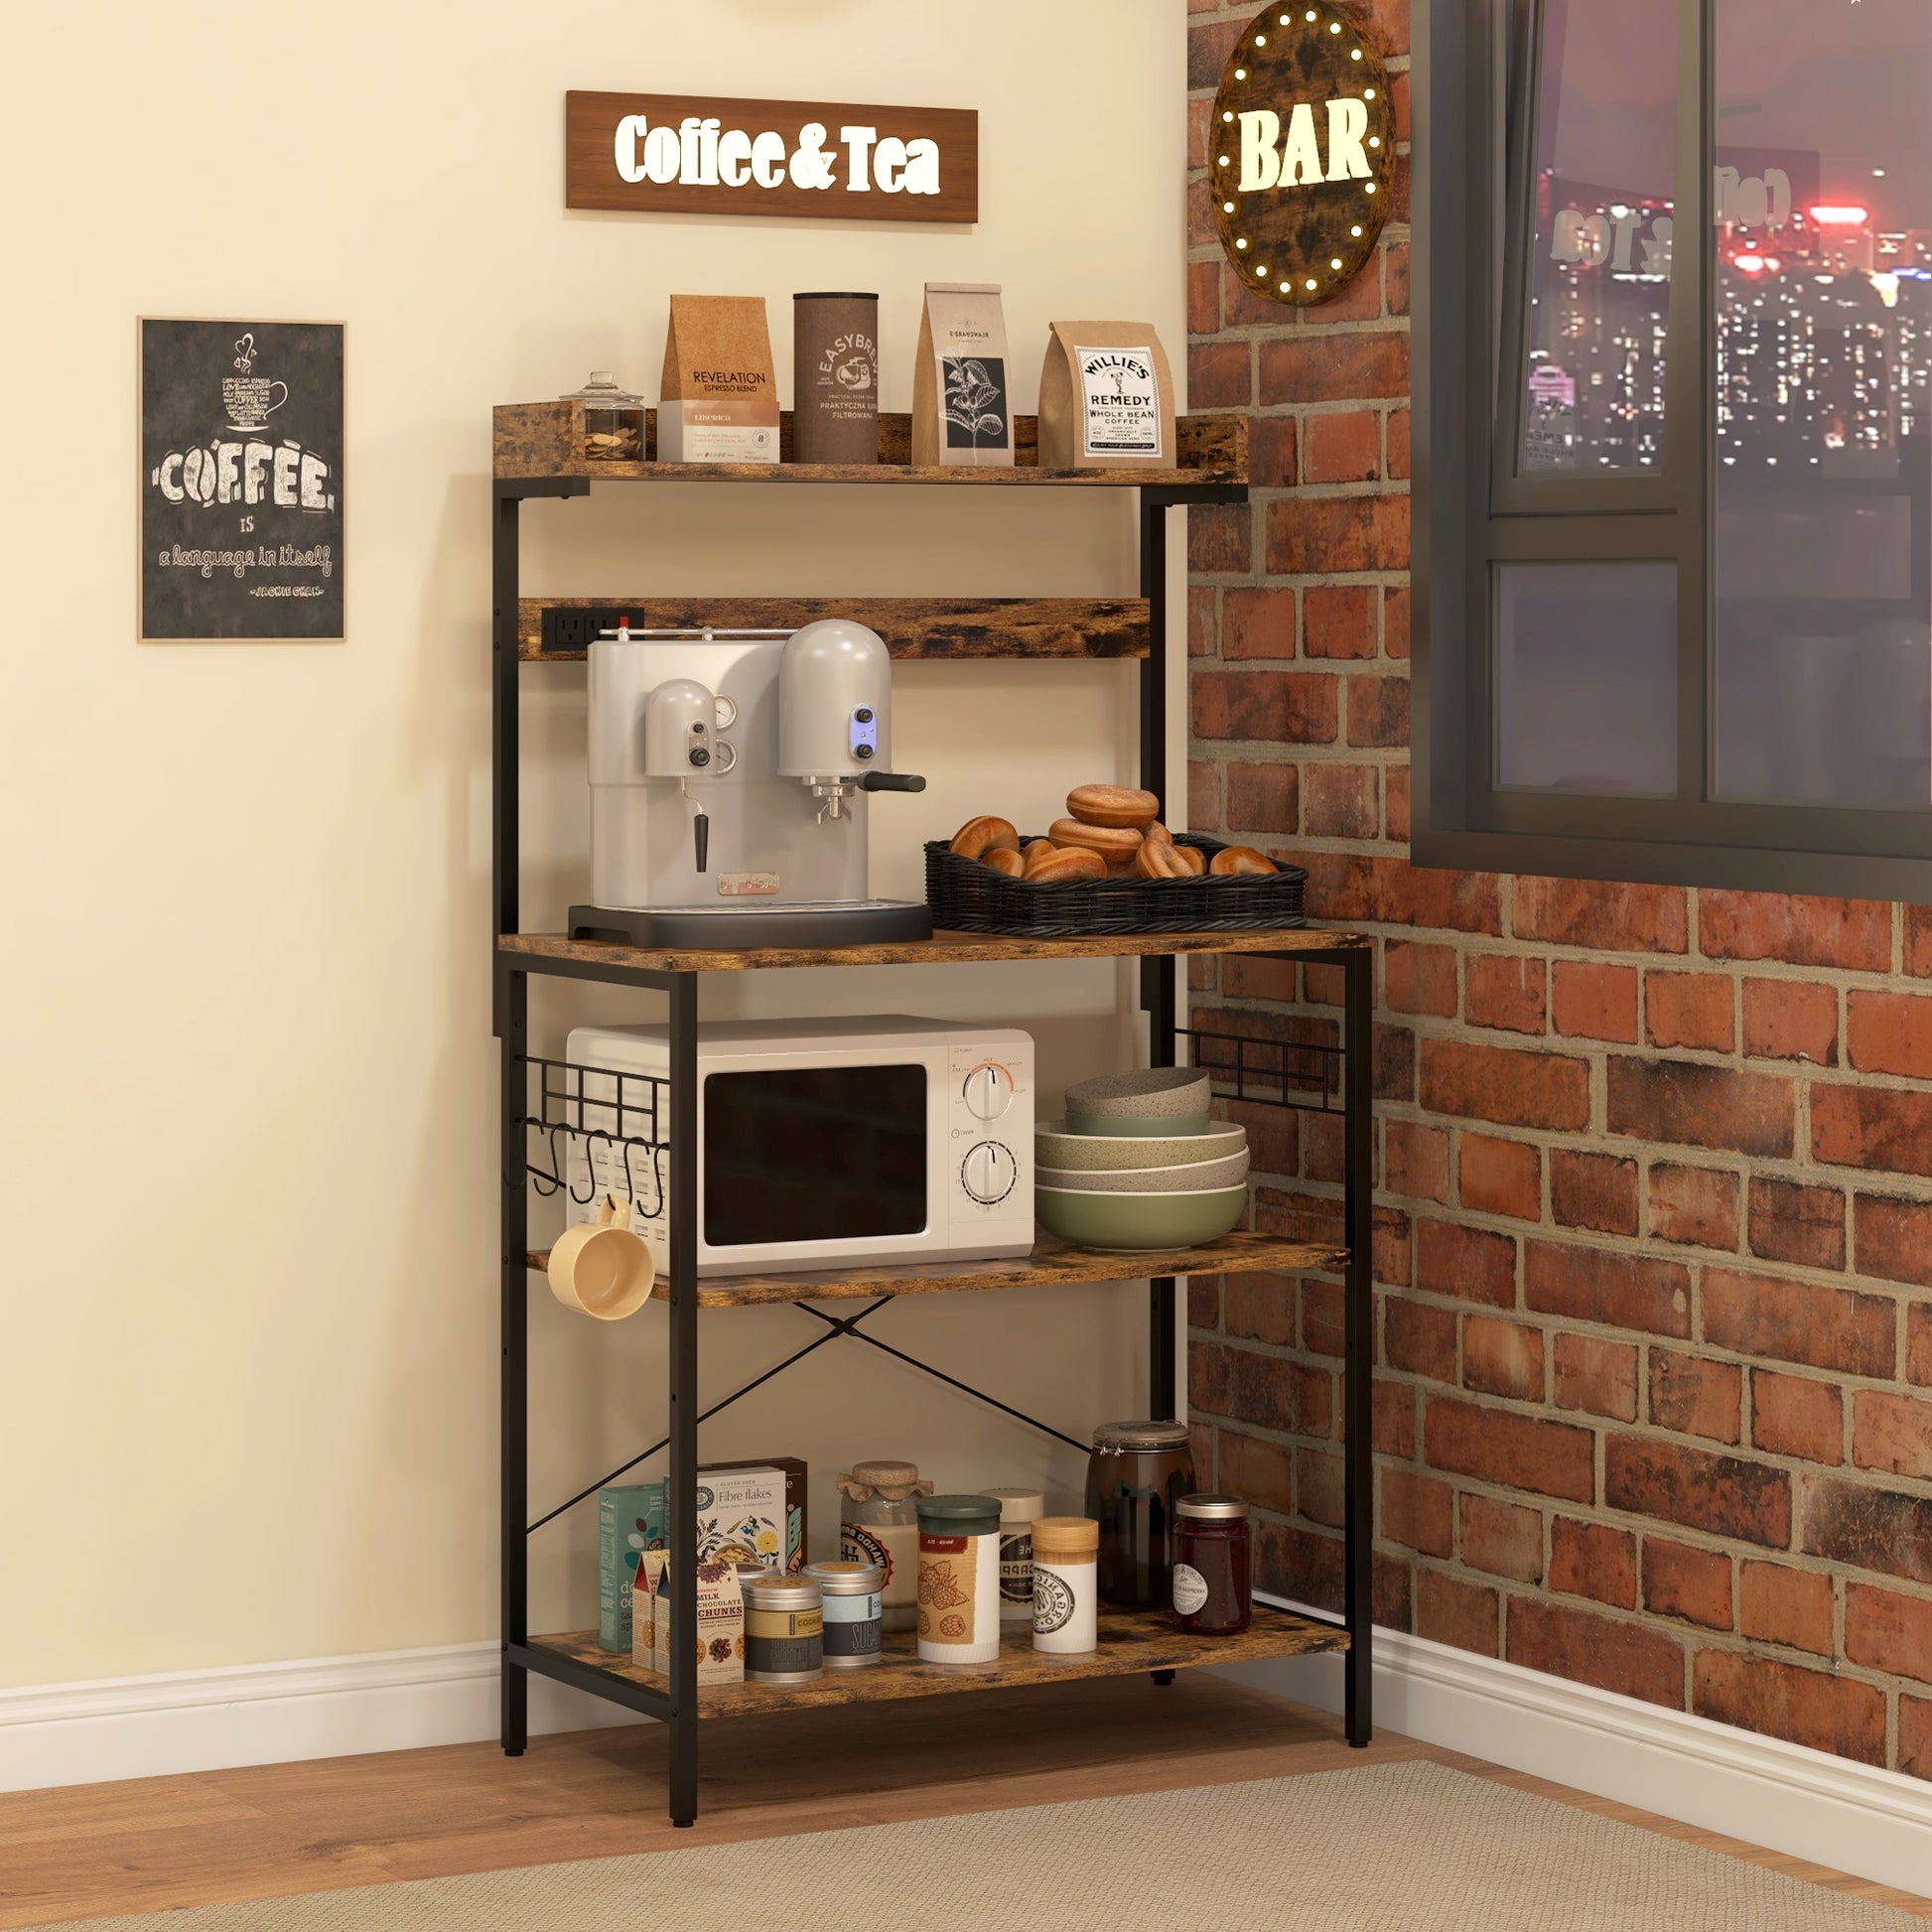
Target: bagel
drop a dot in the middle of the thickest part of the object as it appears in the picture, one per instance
(1159, 860)
(1193, 858)
(1158, 834)
(1059, 868)
(979, 836)
(1112, 805)
(1004, 858)
(1240, 860)
(1112, 842)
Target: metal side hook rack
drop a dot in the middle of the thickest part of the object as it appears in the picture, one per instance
(1303, 1075)
(625, 1110)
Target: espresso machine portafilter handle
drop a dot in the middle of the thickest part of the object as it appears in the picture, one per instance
(892, 782)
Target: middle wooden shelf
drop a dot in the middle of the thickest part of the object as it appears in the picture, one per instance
(558, 630)
(1050, 1265)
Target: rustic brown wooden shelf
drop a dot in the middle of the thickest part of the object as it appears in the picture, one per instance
(1050, 1265)
(1130, 1641)
(943, 948)
(546, 439)
(913, 627)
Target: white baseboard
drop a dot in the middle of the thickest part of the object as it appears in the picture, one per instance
(270, 1714)
(1873, 1824)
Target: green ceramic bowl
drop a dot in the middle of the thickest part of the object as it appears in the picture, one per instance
(1139, 1223)
(1055, 1145)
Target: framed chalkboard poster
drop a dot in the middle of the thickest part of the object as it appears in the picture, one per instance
(242, 481)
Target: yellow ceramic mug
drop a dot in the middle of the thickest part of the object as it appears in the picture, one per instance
(603, 1268)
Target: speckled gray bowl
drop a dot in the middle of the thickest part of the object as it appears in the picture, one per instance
(1138, 1223)
(1228, 1172)
(1161, 1095)
(1139, 1127)
(1057, 1145)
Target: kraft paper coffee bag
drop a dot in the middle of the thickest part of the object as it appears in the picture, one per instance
(721, 396)
(963, 398)
(1106, 398)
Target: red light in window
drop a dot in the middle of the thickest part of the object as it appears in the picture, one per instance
(1834, 215)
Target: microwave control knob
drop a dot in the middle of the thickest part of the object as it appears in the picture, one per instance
(989, 1172)
(989, 1091)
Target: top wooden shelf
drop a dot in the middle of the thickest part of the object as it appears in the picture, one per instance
(540, 951)
(538, 442)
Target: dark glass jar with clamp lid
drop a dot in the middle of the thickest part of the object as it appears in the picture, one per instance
(1138, 1472)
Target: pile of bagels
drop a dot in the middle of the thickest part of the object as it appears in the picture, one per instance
(1109, 832)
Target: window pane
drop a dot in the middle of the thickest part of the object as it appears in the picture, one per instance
(1824, 195)
(1599, 284)
(1587, 677)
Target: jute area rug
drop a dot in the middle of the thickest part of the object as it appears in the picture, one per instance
(1399, 1847)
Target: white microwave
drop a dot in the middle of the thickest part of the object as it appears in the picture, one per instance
(822, 1144)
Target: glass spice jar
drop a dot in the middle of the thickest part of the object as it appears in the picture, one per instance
(1213, 1566)
(613, 420)
(1137, 1474)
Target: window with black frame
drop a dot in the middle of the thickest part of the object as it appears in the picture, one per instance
(1674, 563)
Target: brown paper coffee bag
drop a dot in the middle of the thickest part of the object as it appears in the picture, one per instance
(721, 395)
(1106, 398)
(962, 399)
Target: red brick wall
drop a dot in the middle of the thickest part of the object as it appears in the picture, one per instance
(1655, 1221)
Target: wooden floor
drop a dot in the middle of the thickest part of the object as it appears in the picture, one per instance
(91, 1851)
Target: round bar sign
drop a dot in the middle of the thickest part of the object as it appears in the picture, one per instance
(1302, 151)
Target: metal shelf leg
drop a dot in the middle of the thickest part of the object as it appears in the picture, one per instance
(1358, 1208)
(683, 1026)
(513, 1014)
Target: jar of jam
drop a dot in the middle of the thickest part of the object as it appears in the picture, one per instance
(1212, 1565)
(1138, 1472)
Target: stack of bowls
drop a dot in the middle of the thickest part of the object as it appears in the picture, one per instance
(1139, 1164)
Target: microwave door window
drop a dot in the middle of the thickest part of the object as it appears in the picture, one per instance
(815, 1154)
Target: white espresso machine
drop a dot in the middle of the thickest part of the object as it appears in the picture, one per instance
(730, 776)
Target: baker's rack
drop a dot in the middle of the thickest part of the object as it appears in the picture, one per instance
(540, 455)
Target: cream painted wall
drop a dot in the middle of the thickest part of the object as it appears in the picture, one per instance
(247, 1367)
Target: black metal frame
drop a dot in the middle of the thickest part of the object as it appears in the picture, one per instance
(1311, 1078)
(1474, 108)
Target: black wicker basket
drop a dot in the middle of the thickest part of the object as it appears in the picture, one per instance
(967, 896)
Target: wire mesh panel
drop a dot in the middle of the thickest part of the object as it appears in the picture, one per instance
(590, 1125)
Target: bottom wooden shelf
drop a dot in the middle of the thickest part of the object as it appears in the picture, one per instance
(1130, 1641)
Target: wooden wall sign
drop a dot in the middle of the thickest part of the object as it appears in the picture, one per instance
(694, 154)
(242, 481)
(1302, 148)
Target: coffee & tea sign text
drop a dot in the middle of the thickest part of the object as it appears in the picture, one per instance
(695, 154)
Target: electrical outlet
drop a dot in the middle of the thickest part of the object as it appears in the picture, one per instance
(575, 627)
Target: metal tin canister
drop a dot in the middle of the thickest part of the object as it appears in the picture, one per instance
(854, 1609)
(784, 1626)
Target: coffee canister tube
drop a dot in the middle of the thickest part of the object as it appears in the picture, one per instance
(1065, 1600)
(854, 1604)
(1019, 1508)
(783, 1628)
(959, 1579)
(834, 377)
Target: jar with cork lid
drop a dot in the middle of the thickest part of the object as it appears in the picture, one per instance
(879, 1522)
